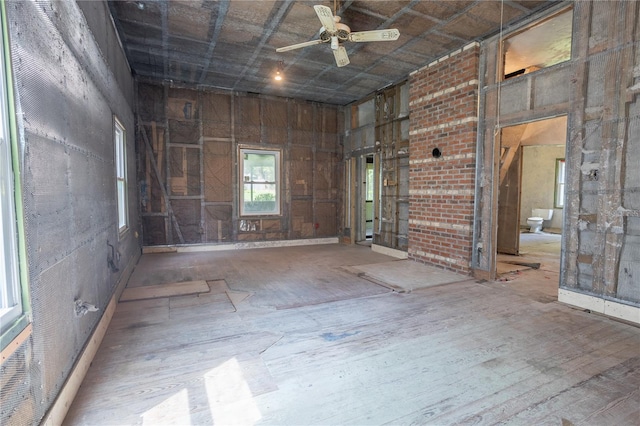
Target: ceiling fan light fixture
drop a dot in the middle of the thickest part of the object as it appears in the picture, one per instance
(279, 71)
(334, 43)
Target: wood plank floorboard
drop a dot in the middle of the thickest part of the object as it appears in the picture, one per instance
(287, 336)
(164, 290)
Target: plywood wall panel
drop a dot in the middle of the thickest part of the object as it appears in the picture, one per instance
(330, 123)
(304, 117)
(324, 173)
(193, 171)
(276, 136)
(151, 193)
(326, 221)
(218, 223)
(184, 168)
(216, 115)
(187, 213)
(248, 134)
(328, 142)
(248, 110)
(302, 218)
(271, 225)
(182, 104)
(196, 158)
(302, 137)
(247, 119)
(301, 165)
(218, 130)
(154, 230)
(184, 132)
(275, 113)
(155, 202)
(218, 163)
(151, 102)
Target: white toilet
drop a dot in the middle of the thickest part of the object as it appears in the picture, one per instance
(537, 217)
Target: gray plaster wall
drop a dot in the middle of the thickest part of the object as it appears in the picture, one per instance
(602, 245)
(599, 91)
(68, 90)
(531, 97)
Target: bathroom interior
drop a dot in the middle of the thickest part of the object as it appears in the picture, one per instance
(540, 150)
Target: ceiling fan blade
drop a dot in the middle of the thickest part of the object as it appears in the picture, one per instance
(326, 18)
(341, 56)
(298, 46)
(375, 35)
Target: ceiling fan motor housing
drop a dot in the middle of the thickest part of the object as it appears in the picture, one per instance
(342, 32)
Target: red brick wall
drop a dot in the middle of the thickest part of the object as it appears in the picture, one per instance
(443, 102)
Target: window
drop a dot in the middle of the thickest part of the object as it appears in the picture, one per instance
(560, 182)
(12, 318)
(121, 174)
(10, 304)
(260, 187)
(543, 44)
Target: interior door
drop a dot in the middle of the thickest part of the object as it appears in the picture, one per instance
(509, 205)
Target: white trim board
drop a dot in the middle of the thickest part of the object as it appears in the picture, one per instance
(398, 254)
(595, 304)
(238, 246)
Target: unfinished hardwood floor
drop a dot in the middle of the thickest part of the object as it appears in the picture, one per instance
(288, 336)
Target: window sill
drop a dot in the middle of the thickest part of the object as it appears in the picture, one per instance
(21, 332)
(122, 233)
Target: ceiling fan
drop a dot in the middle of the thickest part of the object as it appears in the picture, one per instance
(336, 33)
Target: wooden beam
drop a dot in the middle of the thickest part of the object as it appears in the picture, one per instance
(162, 188)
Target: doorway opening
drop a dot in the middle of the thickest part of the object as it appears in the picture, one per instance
(368, 198)
(366, 204)
(531, 196)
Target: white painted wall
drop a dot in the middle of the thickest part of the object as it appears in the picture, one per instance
(538, 181)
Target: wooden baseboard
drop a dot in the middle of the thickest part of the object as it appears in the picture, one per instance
(192, 248)
(602, 306)
(399, 254)
(58, 410)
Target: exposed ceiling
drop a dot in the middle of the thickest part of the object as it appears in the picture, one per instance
(232, 44)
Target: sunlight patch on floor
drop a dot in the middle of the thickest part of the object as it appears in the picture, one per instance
(230, 398)
(171, 411)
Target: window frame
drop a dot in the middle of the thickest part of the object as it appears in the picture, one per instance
(10, 297)
(560, 185)
(14, 300)
(120, 159)
(241, 184)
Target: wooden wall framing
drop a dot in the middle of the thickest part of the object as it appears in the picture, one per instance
(379, 126)
(188, 143)
(391, 116)
(598, 90)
